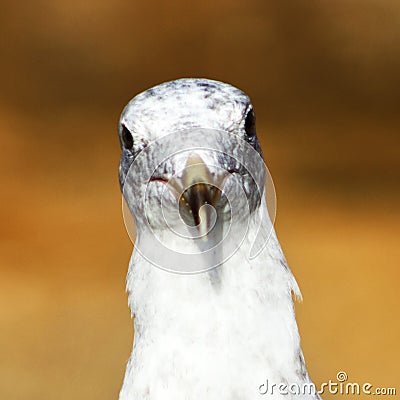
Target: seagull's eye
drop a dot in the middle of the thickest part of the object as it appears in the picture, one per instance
(250, 124)
(127, 138)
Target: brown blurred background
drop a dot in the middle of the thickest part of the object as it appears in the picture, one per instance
(325, 80)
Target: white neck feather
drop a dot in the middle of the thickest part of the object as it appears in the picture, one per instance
(215, 335)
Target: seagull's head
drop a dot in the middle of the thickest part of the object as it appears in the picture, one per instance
(186, 146)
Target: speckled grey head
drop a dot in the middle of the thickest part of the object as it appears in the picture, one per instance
(211, 124)
(191, 169)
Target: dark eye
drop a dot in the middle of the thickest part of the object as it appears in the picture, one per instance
(127, 139)
(250, 124)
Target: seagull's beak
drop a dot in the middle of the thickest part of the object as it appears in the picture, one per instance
(199, 192)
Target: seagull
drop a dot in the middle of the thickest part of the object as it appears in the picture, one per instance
(208, 285)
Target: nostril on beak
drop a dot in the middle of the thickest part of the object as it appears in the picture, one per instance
(194, 198)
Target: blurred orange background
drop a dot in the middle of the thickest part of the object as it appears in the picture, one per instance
(325, 80)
